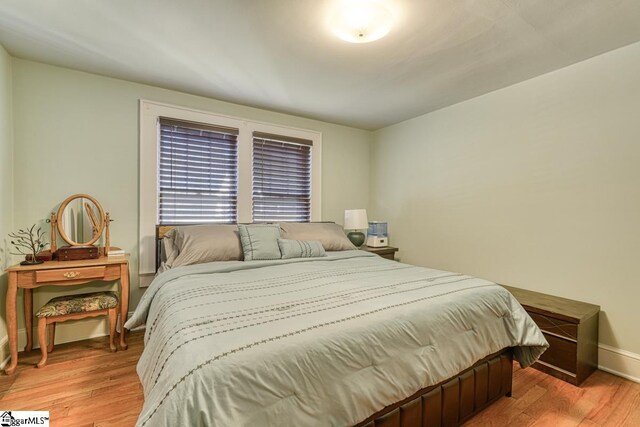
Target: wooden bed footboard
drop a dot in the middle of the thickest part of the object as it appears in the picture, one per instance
(453, 401)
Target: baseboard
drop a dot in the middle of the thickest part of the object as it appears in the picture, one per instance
(4, 351)
(619, 362)
(65, 332)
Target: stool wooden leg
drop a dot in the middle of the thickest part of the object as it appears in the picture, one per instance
(113, 320)
(52, 337)
(42, 337)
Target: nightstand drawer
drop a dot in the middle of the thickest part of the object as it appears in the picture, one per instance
(555, 326)
(70, 274)
(561, 353)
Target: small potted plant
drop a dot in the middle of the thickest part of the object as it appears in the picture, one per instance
(28, 242)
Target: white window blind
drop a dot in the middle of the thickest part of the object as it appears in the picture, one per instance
(197, 173)
(281, 178)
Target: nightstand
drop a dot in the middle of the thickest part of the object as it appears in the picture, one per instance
(570, 327)
(387, 252)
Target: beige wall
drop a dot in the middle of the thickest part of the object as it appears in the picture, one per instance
(78, 132)
(536, 186)
(6, 183)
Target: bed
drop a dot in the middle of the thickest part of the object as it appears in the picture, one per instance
(346, 339)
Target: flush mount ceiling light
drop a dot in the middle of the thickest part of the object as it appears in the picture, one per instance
(361, 21)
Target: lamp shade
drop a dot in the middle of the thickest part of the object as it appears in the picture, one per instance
(355, 219)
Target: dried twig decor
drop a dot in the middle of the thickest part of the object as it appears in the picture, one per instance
(28, 242)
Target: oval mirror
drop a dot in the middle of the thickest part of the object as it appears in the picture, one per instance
(80, 220)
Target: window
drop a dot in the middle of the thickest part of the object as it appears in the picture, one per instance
(281, 178)
(200, 167)
(197, 173)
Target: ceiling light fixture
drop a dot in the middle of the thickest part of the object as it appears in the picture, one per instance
(361, 21)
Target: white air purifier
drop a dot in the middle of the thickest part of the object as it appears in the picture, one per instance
(377, 234)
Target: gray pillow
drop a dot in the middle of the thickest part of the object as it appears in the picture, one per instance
(259, 241)
(300, 248)
(196, 244)
(330, 235)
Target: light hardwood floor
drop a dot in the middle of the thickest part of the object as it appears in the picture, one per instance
(541, 400)
(84, 384)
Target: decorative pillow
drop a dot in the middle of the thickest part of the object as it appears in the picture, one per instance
(300, 248)
(330, 235)
(259, 241)
(196, 244)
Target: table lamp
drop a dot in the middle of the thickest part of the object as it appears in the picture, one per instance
(356, 219)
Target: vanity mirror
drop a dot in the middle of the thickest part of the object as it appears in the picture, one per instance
(80, 222)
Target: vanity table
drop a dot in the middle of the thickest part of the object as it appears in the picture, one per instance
(60, 273)
(79, 222)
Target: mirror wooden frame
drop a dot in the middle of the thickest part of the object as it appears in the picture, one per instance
(97, 233)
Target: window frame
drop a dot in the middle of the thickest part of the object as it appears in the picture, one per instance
(151, 111)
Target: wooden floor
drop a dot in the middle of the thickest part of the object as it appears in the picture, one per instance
(84, 384)
(541, 400)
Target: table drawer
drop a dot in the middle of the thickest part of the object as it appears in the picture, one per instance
(561, 353)
(63, 275)
(555, 326)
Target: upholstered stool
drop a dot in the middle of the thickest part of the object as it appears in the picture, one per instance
(74, 307)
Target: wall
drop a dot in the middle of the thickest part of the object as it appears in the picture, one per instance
(78, 133)
(6, 185)
(536, 185)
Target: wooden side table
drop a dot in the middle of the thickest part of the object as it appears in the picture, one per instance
(570, 327)
(388, 252)
(60, 273)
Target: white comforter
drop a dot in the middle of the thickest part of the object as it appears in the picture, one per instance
(322, 342)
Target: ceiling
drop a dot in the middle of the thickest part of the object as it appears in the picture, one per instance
(279, 55)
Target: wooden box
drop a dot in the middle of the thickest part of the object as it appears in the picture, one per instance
(74, 253)
(570, 327)
(42, 256)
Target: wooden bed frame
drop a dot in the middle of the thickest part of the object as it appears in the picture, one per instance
(447, 404)
(454, 401)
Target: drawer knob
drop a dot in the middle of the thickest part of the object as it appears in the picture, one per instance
(71, 274)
